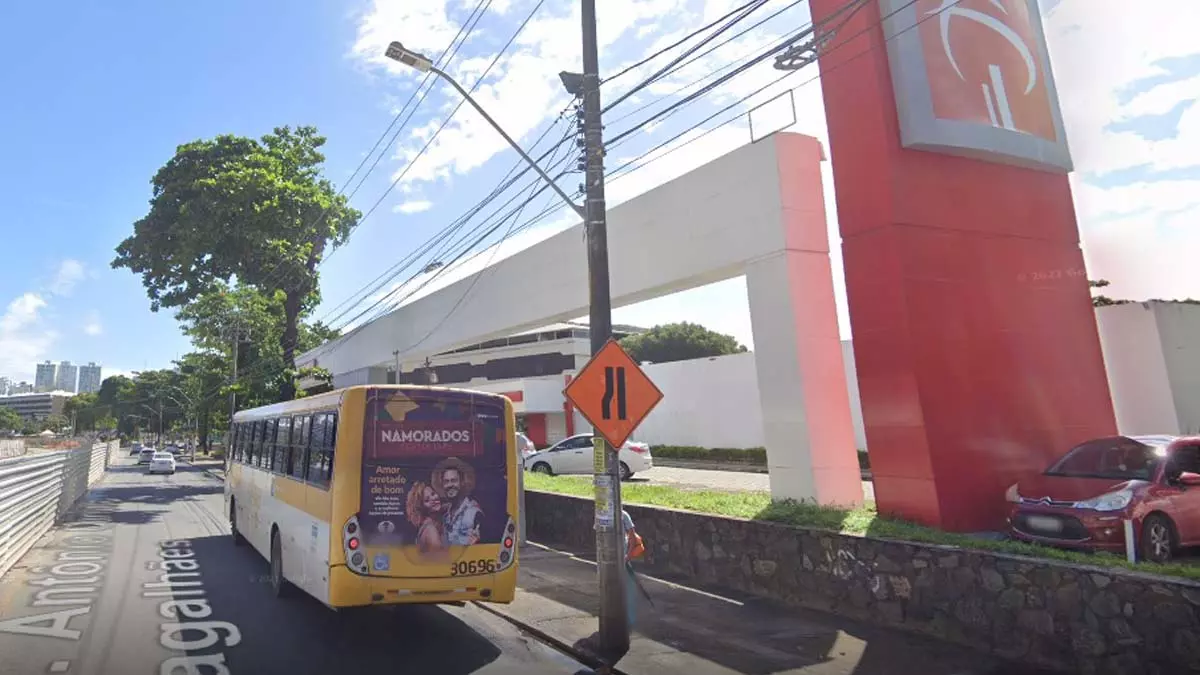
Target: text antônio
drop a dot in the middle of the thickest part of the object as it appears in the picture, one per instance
(426, 436)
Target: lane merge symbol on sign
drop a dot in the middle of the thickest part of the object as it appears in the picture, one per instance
(613, 393)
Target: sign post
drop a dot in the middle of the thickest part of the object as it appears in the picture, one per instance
(614, 395)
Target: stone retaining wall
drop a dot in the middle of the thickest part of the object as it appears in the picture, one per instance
(1041, 612)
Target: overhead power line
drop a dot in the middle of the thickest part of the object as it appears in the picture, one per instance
(625, 169)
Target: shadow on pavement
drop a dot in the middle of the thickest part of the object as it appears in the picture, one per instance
(750, 635)
(300, 635)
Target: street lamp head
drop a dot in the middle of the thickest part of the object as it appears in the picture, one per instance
(397, 52)
(572, 82)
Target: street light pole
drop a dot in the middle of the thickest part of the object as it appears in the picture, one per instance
(398, 52)
(610, 544)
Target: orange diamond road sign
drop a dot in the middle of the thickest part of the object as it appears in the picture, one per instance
(613, 393)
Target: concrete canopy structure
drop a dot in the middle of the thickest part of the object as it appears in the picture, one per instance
(757, 211)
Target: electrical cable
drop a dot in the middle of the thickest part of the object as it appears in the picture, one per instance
(870, 47)
(680, 41)
(662, 72)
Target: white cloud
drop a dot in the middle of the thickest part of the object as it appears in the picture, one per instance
(24, 340)
(413, 206)
(69, 274)
(1139, 235)
(92, 325)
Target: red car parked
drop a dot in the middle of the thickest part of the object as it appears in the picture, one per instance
(1083, 500)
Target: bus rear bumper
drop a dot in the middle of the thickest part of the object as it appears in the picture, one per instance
(347, 589)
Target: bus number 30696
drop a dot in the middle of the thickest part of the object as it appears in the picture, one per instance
(466, 567)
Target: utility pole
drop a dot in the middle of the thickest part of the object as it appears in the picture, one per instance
(237, 334)
(396, 354)
(610, 541)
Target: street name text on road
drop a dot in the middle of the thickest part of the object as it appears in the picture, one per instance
(613, 393)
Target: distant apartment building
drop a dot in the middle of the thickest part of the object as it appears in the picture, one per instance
(36, 405)
(21, 387)
(89, 378)
(5, 385)
(46, 377)
(66, 378)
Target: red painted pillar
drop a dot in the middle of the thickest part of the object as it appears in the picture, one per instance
(568, 408)
(974, 336)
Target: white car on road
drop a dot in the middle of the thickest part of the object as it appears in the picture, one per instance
(145, 455)
(574, 455)
(162, 462)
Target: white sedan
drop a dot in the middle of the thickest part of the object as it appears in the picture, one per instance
(574, 455)
(162, 462)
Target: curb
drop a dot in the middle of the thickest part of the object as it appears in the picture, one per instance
(585, 658)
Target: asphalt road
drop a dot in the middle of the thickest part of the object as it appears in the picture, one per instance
(90, 599)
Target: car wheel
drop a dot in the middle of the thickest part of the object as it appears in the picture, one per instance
(279, 585)
(238, 539)
(626, 474)
(1158, 539)
(543, 468)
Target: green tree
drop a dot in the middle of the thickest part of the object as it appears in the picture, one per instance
(679, 342)
(1103, 300)
(115, 398)
(234, 207)
(261, 321)
(84, 410)
(10, 420)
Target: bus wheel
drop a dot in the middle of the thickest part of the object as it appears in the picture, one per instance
(279, 585)
(238, 539)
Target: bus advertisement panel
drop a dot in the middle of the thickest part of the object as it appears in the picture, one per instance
(434, 480)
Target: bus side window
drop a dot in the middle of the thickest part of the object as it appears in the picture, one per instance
(264, 445)
(268, 460)
(331, 433)
(243, 441)
(255, 444)
(301, 430)
(283, 446)
(316, 448)
(239, 442)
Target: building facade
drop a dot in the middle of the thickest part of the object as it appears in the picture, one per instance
(66, 378)
(46, 377)
(38, 405)
(531, 368)
(89, 378)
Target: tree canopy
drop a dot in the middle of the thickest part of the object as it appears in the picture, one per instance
(679, 342)
(235, 208)
(10, 420)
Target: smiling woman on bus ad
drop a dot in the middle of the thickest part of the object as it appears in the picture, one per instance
(425, 509)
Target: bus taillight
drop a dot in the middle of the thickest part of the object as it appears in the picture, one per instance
(355, 560)
(508, 554)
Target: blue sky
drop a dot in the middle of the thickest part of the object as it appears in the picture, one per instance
(96, 110)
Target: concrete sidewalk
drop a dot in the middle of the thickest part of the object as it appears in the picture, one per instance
(212, 467)
(700, 632)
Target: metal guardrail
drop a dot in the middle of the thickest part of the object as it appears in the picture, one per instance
(37, 490)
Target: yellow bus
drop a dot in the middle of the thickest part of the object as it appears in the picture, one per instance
(380, 494)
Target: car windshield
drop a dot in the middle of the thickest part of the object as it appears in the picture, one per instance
(162, 455)
(1118, 458)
